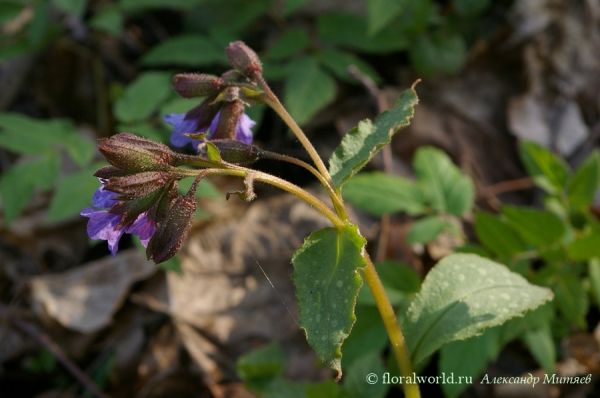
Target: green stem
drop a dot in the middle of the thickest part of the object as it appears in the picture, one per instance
(272, 100)
(383, 303)
(391, 326)
(337, 202)
(239, 171)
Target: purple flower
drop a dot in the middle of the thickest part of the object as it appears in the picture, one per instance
(181, 126)
(103, 224)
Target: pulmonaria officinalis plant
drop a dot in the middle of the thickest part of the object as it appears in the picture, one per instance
(140, 186)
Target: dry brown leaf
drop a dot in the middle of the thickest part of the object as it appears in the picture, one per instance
(84, 299)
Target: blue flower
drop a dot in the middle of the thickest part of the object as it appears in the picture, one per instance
(104, 225)
(181, 126)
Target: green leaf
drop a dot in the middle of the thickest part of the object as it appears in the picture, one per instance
(537, 227)
(233, 16)
(582, 187)
(18, 184)
(380, 14)
(426, 229)
(470, 7)
(339, 61)
(308, 89)
(136, 5)
(259, 367)
(282, 388)
(289, 43)
(379, 193)
(354, 382)
(25, 135)
(400, 283)
(350, 31)
(327, 283)
(548, 171)
(213, 152)
(9, 11)
(541, 345)
(398, 276)
(292, 6)
(438, 54)
(80, 149)
(38, 27)
(585, 248)
(326, 389)
(572, 299)
(368, 334)
(143, 96)
(73, 193)
(362, 142)
(460, 297)
(481, 350)
(594, 271)
(73, 7)
(497, 235)
(446, 187)
(108, 19)
(186, 50)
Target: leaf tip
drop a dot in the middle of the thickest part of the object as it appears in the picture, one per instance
(338, 377)
(415, 84)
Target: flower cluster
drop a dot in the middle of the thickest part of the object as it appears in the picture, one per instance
(138, 193)
(104, 225)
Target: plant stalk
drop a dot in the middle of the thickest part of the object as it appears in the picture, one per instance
(272, 100)
(239, 171)
(335, 198)
(391, 326)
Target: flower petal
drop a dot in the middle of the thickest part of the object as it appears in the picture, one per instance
(142, 227)
(103, 198)
(243, 132)
(182, 126)
(103, 225)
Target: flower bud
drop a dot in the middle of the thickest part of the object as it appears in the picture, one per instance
(230, 115)
(191, 85)
(137, 185)
(205, 112)
(131, 209)
(242, 58)
(172, 231)
(234, 151)
(159, 211)
(127, 151)
(107, 172)
(233, 76)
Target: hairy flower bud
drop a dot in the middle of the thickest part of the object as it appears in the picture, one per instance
(137, 185)
(129, 152)
(244, 59)
(131, 209)
(230, 115)
(159, 211)
(191, 85)
(233, 76)
(204, 113)
(172, 231)
(233, 151)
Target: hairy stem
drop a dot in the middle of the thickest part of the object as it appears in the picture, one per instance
(337, 202)
(391, 326)
(271, 99)
(287, 186)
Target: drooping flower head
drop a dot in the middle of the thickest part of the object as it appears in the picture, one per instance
(106, 226)
(219, 116)
(183, 126)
